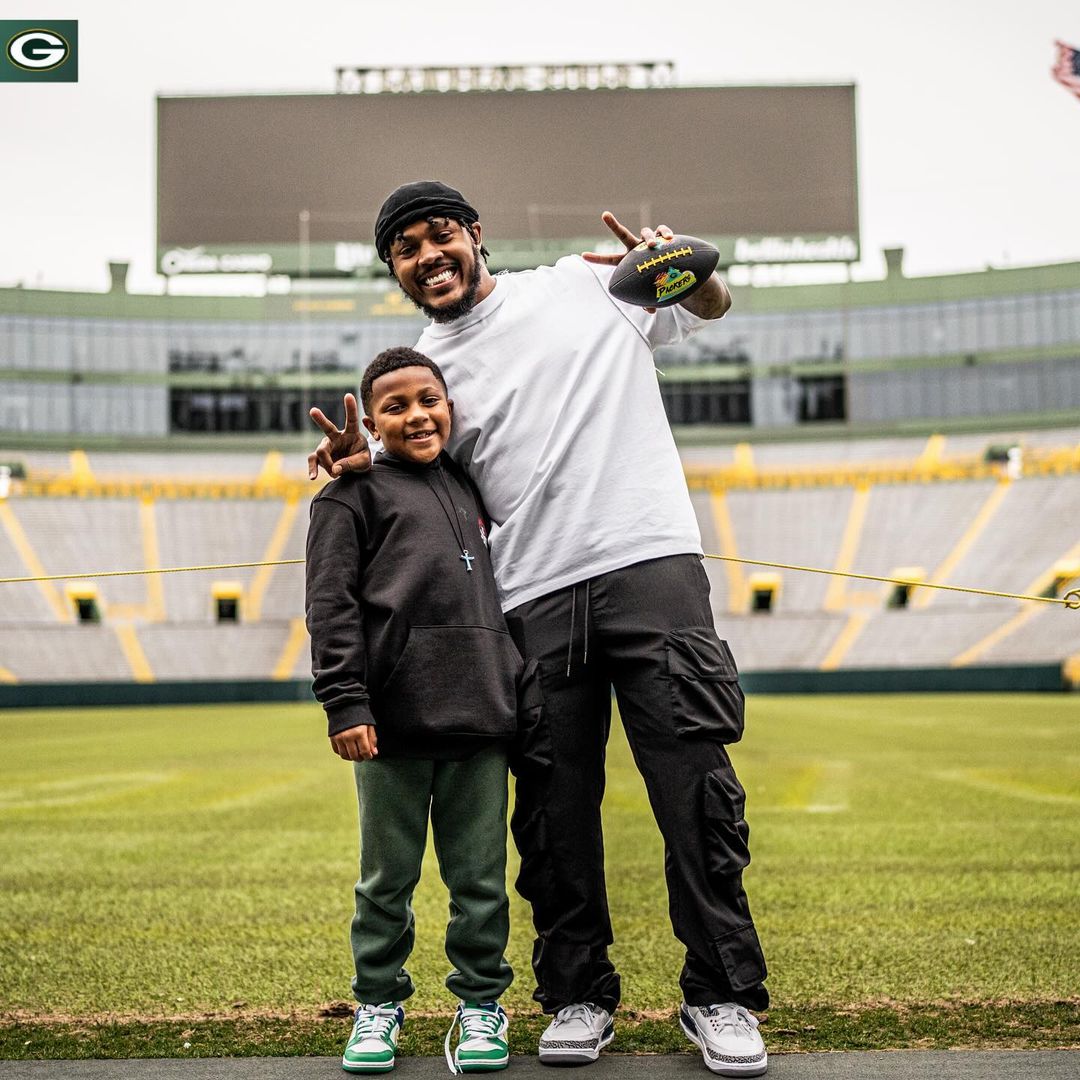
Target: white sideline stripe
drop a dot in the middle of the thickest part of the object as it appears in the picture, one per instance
(68, 793)
(1016, 790)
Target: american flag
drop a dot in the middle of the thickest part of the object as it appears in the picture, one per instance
(1067, 68)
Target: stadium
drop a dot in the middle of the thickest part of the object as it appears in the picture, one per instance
(886, 478)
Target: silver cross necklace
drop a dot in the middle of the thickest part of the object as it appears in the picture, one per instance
(451, 515)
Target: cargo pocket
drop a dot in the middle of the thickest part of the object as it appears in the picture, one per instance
(707, 701)
(737, 949)
(739, 954)
(531, 752)
(727, 836)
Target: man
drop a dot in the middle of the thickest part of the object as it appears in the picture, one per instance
(597, 555)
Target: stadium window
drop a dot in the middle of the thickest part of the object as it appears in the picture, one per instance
(724, 401)
(821, 397)
(262, 409)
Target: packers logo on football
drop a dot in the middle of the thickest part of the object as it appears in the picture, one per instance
(672, 282)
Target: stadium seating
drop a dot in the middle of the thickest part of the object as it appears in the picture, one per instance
(865, 506)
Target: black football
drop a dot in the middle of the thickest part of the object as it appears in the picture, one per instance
(665, 274)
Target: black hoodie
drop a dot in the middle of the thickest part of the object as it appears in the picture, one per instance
(403, 636)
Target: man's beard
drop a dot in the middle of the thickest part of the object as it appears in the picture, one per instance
(460, 307)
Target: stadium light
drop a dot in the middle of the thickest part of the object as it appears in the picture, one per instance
(642, 74)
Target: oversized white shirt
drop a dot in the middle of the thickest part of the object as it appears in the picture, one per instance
(558, 420)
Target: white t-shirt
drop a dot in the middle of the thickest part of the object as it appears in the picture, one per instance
(559, 421)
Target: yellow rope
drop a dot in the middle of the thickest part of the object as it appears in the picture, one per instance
(159, 570)
(1070, 600)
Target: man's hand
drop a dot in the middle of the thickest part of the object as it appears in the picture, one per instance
(650, 236)
(340, 451)
(711, 301)
(356, 743)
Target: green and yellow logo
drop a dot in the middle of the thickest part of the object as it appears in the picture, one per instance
(673, 282)
(39, 50)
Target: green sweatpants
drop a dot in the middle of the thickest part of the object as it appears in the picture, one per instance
(466, 801)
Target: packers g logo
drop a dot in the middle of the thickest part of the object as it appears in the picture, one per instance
(38, 50)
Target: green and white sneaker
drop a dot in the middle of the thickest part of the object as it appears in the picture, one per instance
(482, 1043)
(373, 1042)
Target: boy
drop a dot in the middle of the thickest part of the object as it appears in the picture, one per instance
(418, 675)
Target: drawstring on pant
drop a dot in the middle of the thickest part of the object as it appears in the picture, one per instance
(573, 622)
(570, 643)
(585, 658)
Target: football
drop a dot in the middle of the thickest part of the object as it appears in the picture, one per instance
(665, 274)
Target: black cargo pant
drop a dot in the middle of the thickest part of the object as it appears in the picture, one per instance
(648, 630)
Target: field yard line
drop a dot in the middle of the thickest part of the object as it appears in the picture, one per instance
(1019, 791)
(67, 793)
(274, 548)
(819, 787)
(34, 567)
(255, 793)
(849, 544)
(978, 523)
(725, 531)
(287, 660)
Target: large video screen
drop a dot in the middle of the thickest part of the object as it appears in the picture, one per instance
(261, 174)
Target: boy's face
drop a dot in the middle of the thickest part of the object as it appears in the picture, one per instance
(410, 413)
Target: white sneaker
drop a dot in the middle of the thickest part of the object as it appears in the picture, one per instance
(373, 1042)
(576, 1035)
(728, 1038)
(482, 1041)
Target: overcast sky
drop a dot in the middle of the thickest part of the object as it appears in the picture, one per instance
(969, 152)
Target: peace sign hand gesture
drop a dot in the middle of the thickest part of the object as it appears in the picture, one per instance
(341, 450)
(649, 236)
(711, 301)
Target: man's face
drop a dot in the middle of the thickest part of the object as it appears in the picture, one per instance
(438, 265)
(410, 414)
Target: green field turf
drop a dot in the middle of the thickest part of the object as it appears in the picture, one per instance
(907, 850)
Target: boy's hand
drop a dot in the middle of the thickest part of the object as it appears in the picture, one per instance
(356, 743)
(344, 450)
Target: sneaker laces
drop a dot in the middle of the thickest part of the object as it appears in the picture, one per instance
(729, 1016)
(585, 1011)
(476, 1023)
(374, 1021)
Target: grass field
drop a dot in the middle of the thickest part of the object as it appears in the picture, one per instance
(912, 855)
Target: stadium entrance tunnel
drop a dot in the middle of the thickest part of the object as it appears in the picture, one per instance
(84, 599)
(764, 592)
(900, 594)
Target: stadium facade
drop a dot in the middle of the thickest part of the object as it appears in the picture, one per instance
(1001, 345)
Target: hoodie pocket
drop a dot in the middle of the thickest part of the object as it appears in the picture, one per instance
(453, 680)
(706, 699)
